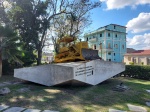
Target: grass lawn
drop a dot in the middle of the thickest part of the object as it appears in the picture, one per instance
(97, 98)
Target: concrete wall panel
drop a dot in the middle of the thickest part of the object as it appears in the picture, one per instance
(90, 72)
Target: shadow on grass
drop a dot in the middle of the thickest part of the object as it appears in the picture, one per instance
(75, 98)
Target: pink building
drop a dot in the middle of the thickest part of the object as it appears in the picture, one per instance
(139, 57)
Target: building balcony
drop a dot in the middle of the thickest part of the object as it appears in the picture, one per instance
(106, 50)
(92, 40)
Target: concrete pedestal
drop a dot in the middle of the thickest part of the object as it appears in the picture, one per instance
(89, 72)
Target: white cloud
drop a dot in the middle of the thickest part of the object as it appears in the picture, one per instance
(118, 4)
(139, 41)
(139, 24)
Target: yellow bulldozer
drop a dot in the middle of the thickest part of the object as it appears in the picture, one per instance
(70, 51)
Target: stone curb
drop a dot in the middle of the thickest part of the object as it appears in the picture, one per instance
(136, 108)
(5, 108)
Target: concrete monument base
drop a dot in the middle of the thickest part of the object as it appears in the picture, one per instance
(87, 72)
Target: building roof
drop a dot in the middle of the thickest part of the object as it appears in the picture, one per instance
(139, 52)
(112, 24)
(130, 50)
(104, 28)
(118, 25)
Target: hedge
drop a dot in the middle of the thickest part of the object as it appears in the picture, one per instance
(137, 71)
(8, 68)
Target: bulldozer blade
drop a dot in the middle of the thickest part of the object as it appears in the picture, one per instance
(89, 54)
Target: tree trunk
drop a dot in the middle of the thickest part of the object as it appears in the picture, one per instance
(39, 57)
(0, 64)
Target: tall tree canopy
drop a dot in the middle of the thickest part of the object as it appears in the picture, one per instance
(34, 19)
(9, 47)
(73, 22)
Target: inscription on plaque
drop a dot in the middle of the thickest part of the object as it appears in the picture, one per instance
(88, 70)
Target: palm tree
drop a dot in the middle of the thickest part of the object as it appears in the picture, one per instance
(9, 46)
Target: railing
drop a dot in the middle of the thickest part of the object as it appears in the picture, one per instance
(106, 49)
(92, 40)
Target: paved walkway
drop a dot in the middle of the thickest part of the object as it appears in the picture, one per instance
(5, 108)
(114, 110)
(135, 108)
(132, 108)
(148, 91)
(9, 83)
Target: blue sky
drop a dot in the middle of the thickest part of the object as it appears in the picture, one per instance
(134, 14)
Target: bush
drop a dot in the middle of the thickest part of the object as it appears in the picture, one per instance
(131, 63)
(8, 67)
(137, 71)
(142, 63)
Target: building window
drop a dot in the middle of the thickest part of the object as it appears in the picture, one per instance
(116, 46)
(94, 46)
(114, 27)
(108, 34)
(100, 45)
(114, 54)
(129, 58)
(148, 61)
(134, 60)
(122, 46)
(109, 59)
(109, 53)
(109, 46)
(87, 39)
(116, 35)
(100, 35)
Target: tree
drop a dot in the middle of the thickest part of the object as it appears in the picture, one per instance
(9, 46)
(5, 18)
(33, 18)
(74, 21)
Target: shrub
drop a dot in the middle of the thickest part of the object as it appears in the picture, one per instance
(137, 71)
(131, 63)
(7, 68)
(142, 63)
